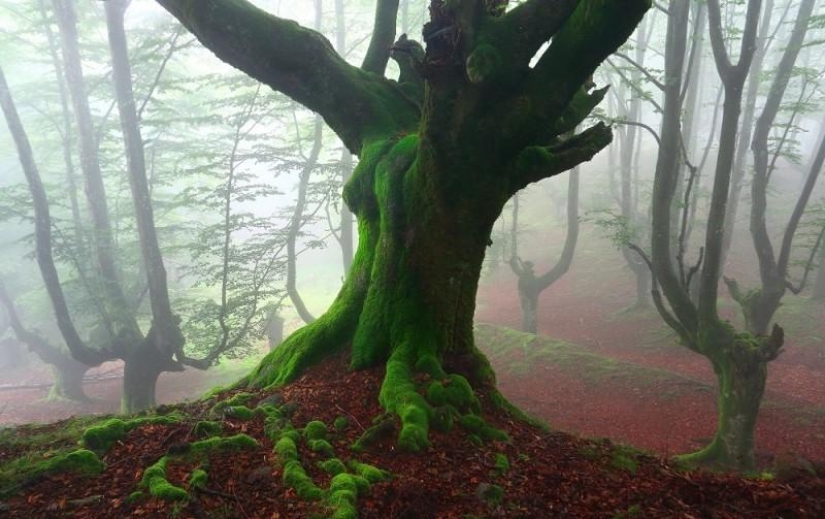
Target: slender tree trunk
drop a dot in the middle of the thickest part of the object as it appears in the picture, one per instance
(740, 163)
(68, 380)
(819, 286)
(760, 306)
(90, 165)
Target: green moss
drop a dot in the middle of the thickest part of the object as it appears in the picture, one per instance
(476, 425)
(493, 495)
(223, 444)
(135, 496)
(455, 391)
(296, 478)
(321, 446)
(369, 472)
(483, 62)
(442, 418)
(102, 436)
(315, 430)
(198, 478)
(154, 479)
(624, 458)
(430, 365)
(206, 429)
(239, 412)
(502, 464)
(343, 492)
(383, 427)
(80, 461)
(332, 466)
(286, 449)
(340, 423)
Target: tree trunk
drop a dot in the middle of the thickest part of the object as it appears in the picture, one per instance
(140, 376)
(741, 372)
(68, 380)
(410, 297)
(529, 311)
(819, 287)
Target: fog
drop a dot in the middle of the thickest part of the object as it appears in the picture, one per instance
(246, 189)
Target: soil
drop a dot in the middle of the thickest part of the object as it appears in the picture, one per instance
(550, 474)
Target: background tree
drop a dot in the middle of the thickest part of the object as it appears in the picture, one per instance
(530, 286)
(738, 359)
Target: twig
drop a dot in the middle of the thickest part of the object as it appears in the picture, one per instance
(354, 419)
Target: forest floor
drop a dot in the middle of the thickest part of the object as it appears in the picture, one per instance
(598, 369)
(537, 474)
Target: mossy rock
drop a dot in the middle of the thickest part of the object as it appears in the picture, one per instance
(492, 495)
(340, 423)
(286, 449)
(322, 446)
(369, 472)
(207, 429)
(239, 412)
(154, 479)
(315, 430)
(477, 426)
(332, 466)
(296, 477)
(502, 464)
(198, 478)
(236, 442)
(102, 436)
(81, 461)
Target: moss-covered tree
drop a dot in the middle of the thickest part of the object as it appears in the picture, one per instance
(433, 177)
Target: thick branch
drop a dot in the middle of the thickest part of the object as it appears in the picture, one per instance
(563, 264)
(530, 25)
(300, 63)
(383, 36)
(539, 162)
(594, 31)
